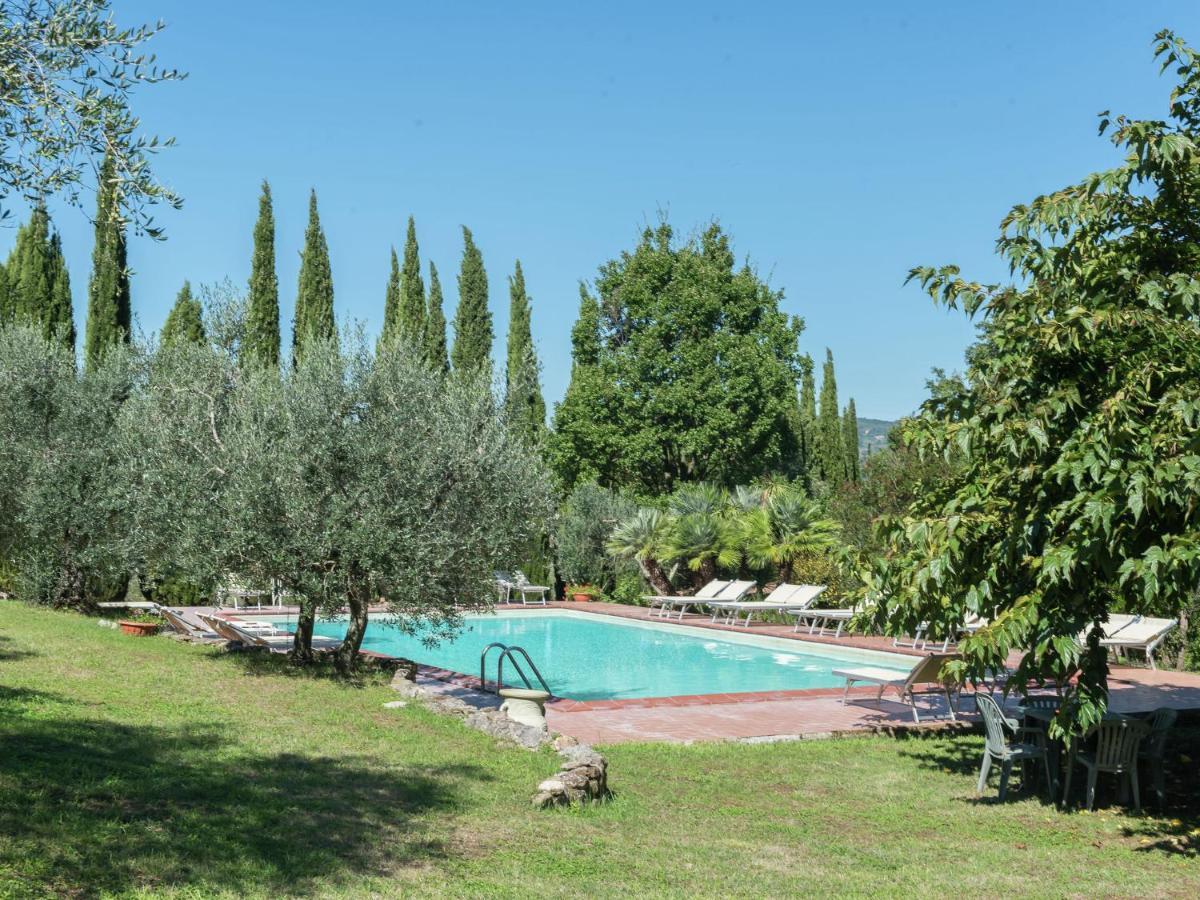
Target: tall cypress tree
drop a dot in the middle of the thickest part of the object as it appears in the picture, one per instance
(391, 306)
(412, 287)
(314, 295)
(831, 458)
(523, 393)
(261, 344)
(110, 317)
(185, 321)
(472, 351)
(850, 440)
(808, 419)
(60, 313)
(7, 311)
(435, 353)
(34, 278)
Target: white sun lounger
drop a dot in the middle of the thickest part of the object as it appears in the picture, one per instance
(927, 671)
(1145, 633)
(734, 590)
(821, 620)
(785, 598)
(664, 603)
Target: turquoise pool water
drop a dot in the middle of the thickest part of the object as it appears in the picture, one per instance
(589, 657)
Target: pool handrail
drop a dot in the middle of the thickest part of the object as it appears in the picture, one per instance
(507, 652)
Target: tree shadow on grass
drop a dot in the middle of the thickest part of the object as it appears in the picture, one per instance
(258, 662)
(91, 807)
(7, 653)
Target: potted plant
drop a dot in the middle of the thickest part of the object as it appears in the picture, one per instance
(141, 624)
(582, 593)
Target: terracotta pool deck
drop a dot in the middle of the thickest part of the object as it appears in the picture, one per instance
(783, 715)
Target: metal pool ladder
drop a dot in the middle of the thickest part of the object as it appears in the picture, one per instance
(509, 653)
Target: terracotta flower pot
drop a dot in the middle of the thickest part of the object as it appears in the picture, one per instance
(582, 598)
(140, 629)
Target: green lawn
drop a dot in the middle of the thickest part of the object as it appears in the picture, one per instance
(147, 767)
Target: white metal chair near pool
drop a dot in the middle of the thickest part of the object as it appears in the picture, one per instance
(926, 672)
(822, 620)
(785, 598)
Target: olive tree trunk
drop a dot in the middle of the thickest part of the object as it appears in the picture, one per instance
(302, 651)
(357, 600)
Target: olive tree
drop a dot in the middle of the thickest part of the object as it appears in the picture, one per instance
(59, 470)
(67, 73)
(353, 480)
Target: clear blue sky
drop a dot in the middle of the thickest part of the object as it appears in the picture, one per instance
(840, 144)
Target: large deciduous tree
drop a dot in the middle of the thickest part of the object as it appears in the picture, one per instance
(314, 319)
(694, 376)
(1076, 426)
(260, 346)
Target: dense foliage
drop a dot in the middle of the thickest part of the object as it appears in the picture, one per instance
(1077, 425)
(434, 341)
(684, 370)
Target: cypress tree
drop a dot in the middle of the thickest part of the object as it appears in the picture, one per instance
(850, 440)
(412, 287)
(472, 351)
(185, 321)
(808, 419)
(109, 318)
(435, 326)
(34, 278)
(314, 295)
(6, 302)
(391, 306)
(831, 458)
(60, 314)
(523, 394)
(585, 333)
(261, 344)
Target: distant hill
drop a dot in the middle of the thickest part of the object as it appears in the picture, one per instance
(872, 435)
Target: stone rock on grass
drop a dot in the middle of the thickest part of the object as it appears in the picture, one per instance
(395, 704)
(498, 725)
(582, 778)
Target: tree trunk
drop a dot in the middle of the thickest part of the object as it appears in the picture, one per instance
(302, 652)
(1181, 659)
(654, 574)
(347, 655)
(706, 573)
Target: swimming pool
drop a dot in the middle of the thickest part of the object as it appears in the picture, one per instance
(586, 656)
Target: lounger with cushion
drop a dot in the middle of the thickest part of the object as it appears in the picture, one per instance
(280, 642)
(927, 672)
(785, 598)
(1145, 634)
(663, 603)
(181, 625)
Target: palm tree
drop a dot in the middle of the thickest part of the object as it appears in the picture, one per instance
(788, 527)
(641, 537)
(703, 533)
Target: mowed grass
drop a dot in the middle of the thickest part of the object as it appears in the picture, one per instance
(145, 767)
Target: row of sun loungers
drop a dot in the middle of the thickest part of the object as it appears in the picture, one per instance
(243, 631)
